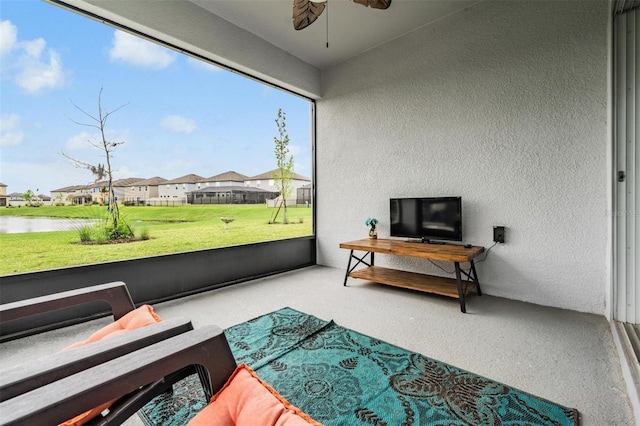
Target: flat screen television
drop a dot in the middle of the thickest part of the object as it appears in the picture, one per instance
(428, 219)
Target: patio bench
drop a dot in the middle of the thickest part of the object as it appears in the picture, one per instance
(155, 368)
(115, 294)
(24, 317)
(127, 334)
(38, 372)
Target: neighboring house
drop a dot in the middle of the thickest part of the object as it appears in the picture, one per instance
(228, 188)
(97, 191)
(122, 187)
(16, 196)
(16, 199)
(100, 193)
(229, 178)
(143, 190)
(74, 194)
(233, 194)
(45, 199)
(179, 187)
(267, 182)
(4, 199)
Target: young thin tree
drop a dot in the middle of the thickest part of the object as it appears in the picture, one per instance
(284, 173)
(101, 171)
(28, 196)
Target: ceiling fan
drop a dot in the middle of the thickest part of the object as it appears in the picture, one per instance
(305, 12)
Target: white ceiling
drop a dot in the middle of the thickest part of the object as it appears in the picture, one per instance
(352, 28)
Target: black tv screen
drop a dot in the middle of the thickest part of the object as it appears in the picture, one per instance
(435, 218)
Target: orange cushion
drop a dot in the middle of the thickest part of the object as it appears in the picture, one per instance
(137, 318)
(247, 400)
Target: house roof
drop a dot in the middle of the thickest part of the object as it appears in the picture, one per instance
(269, 175)
(127, 181)
(116, 183)
(2, 184)
(227, 176)
(69, 188)
(190, 178)
(156, 180)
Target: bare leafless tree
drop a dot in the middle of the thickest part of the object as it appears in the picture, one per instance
(102, 171)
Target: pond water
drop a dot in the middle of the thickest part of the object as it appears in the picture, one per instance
(20, 224)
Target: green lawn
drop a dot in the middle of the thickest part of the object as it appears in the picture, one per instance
(171, 230)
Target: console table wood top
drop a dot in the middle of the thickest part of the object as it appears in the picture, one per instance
(455, 253)
(444, 252)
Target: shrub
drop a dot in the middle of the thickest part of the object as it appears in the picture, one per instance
(101, 235)
(123, 230)
(144, 234)
(85, 233)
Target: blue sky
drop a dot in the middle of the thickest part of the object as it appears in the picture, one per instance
(180, 115)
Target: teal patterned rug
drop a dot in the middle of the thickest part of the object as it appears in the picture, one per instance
(342, 377)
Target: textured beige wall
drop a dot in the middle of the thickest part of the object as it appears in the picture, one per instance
(504, 104)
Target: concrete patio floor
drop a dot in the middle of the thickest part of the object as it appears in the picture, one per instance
(564, 356)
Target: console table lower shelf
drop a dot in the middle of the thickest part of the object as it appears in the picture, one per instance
(413, 281)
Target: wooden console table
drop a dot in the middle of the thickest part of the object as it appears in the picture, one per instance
(415, 281)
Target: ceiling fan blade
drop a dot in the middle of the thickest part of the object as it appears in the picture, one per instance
(305, 13)
(376, 4)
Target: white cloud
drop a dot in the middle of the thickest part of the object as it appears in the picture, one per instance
(10, 132)
(8, 36)
(36, 74)
(178, 124)
(26, 63)
(80, 141)
(136, 51)
(34, 48)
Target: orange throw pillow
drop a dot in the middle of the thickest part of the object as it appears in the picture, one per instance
(137, 318)
(247, 400)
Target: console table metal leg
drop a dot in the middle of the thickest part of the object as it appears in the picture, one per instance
(348, 269)
(475, 278)
(463, 307)
(359, 261)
